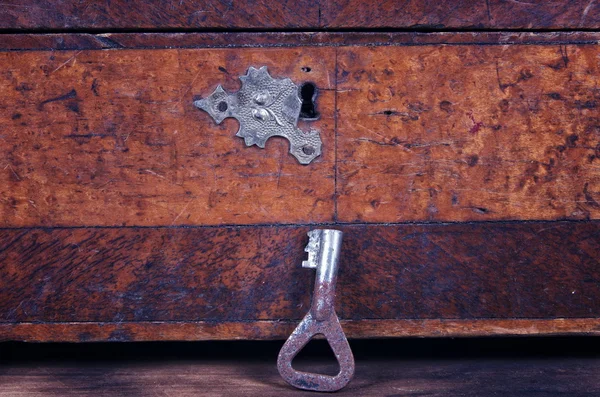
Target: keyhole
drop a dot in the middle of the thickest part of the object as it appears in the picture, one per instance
(308, 94)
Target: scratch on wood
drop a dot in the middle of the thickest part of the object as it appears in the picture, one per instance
(585, 12)
(372, 131)
(280, 166)
(190, 86)
(522, 3)
(13, 171)
(67, 61)
(182, 211)
(489, 10)
(153, 173)
(500, 85)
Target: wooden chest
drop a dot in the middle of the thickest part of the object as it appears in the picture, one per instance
(461, 159)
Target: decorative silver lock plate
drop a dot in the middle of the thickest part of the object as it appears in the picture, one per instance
(265, 107)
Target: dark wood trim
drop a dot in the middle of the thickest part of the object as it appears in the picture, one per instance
(279, 330)
(461, 14)
(116, 41)
(72, 15)
(248, 275)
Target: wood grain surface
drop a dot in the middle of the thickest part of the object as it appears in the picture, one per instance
(500, 133)
(157, 14)
(461, 14)
(524, 367)
(306, 14)
(253, 274)
(104, 163)
(467, 133)
(154, 274)
(112, 138)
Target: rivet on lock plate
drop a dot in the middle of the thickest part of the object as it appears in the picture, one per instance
(265, 107)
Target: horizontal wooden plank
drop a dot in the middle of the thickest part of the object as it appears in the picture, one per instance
(114, 41)
(213, 274)
(455, 271)
(462, 14)
(281, 329)
(112, 138)
(467, 133)
(156, 14)
(485, 270)
(307, 14)
(501, 133)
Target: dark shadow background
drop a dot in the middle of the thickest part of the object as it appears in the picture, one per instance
(405, 348)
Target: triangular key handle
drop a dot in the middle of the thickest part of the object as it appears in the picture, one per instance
(306, 330)
(323, 255)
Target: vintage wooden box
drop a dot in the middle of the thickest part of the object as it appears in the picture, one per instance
(461, 159)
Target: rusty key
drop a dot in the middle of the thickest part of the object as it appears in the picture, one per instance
(323, 249)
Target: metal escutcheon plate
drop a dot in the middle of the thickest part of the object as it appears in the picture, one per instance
(265, 107)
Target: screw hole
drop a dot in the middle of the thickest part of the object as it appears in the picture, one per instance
(308, 94)
(222, 106)
(308, 150)
(306, 69)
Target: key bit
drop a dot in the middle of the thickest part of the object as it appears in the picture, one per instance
(323, 255)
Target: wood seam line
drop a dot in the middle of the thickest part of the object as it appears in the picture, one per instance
(335, 140)
(300, 29)
(102, 41)
(491, 223)
(294, 321)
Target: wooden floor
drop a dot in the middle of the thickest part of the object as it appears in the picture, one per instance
(436, 367)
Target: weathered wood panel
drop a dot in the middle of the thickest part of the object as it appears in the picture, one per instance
(308, 14)
(435, 132)
(112, 138)
(461, 14)
(467, 133)
(485, 270)
(214, 274)
(498, 133)
(531, 270)
(157, 14)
